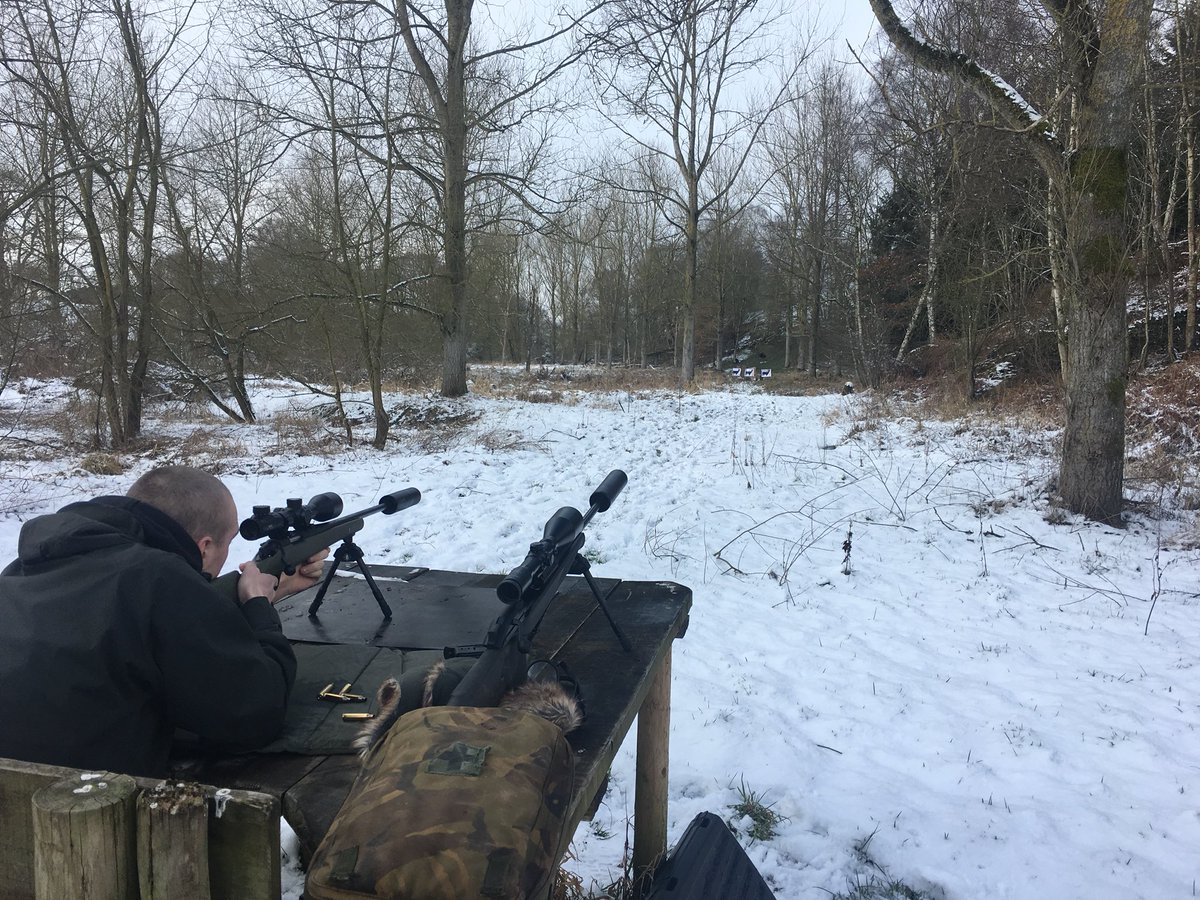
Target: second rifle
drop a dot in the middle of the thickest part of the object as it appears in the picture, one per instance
(527, 592)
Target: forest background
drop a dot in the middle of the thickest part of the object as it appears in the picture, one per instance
(349, 193)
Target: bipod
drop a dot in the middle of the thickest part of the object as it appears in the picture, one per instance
(349, 551)
(582, 567)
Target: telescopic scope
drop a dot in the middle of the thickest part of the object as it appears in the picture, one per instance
(296, 513)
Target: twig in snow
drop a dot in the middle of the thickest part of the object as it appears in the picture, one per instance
(1029, 539)
(1157, 583)
(983, 548)
(846, 545)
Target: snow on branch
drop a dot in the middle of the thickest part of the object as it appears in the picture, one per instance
(1004, 99)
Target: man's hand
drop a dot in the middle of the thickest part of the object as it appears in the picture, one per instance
(275, 589)
(305, 576)
(254, 583)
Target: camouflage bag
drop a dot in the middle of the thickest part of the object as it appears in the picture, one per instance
(453, 803)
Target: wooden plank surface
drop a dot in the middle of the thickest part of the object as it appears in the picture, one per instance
(614, 683)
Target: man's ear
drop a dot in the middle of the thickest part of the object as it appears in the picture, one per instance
(206, 545)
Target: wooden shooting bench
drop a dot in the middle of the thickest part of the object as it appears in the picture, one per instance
(350, 642)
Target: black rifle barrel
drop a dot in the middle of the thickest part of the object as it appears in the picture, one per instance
(612, 485)
(395, 501)
(388, 504)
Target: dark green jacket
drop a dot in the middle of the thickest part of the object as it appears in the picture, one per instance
(111, 638)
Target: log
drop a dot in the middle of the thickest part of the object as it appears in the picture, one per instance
(172, 842)
(18, 784)
(83, 838)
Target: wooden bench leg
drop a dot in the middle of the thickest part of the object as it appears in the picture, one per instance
(650, 789)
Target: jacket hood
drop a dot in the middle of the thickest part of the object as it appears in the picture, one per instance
(103, 524)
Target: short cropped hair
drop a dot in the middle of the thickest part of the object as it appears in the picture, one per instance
(193, 498)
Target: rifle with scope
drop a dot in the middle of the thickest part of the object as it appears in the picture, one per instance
(527, 592)
(296, 531)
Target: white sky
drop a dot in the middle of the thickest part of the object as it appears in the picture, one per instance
(855, 23)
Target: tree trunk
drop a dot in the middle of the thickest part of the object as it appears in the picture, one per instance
(1091, 474)
(814, 308)
(84, 838)
(687, 362)
(925, 300)
(1193, 263)
(1058, 274)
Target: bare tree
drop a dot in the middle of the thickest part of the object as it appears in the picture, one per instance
(811, 148)
(103, 83)
(475, 95)
(1088, 171)
(1187, 47)
(675, 70)
(217, 197)
(349, 102)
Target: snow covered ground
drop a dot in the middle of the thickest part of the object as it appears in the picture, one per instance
(974, 699)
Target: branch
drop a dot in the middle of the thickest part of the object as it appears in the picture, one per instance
(1004, 99)
(198, 380)
(61, 296)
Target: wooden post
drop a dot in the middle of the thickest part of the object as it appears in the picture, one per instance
(83, 838)
(172, 842)
(243, 846)
(243, 835)
(650, 786)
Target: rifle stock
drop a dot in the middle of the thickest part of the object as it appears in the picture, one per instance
(288, 557)
(493, 673)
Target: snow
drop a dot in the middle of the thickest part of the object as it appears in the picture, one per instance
(1013, 95)
(980, 708)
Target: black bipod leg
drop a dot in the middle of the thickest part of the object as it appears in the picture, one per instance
(350, 550)
(582, 567)
(354, 552)
(325, 582)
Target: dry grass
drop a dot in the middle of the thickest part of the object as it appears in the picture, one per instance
(431, 426)
(1165, 477)
(210, 448)
(304, 433)
(1008, 410)
(102, 464)
(792, 383)
(1162, 416)
(567, 885)
(1163, 408)
(180, 412)
(1163, 435)
(47, 433)
(561, 384)
(505, 439)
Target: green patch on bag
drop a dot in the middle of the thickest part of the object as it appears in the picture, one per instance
(459, 759)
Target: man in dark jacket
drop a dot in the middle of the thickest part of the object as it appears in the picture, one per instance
(113, 633)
